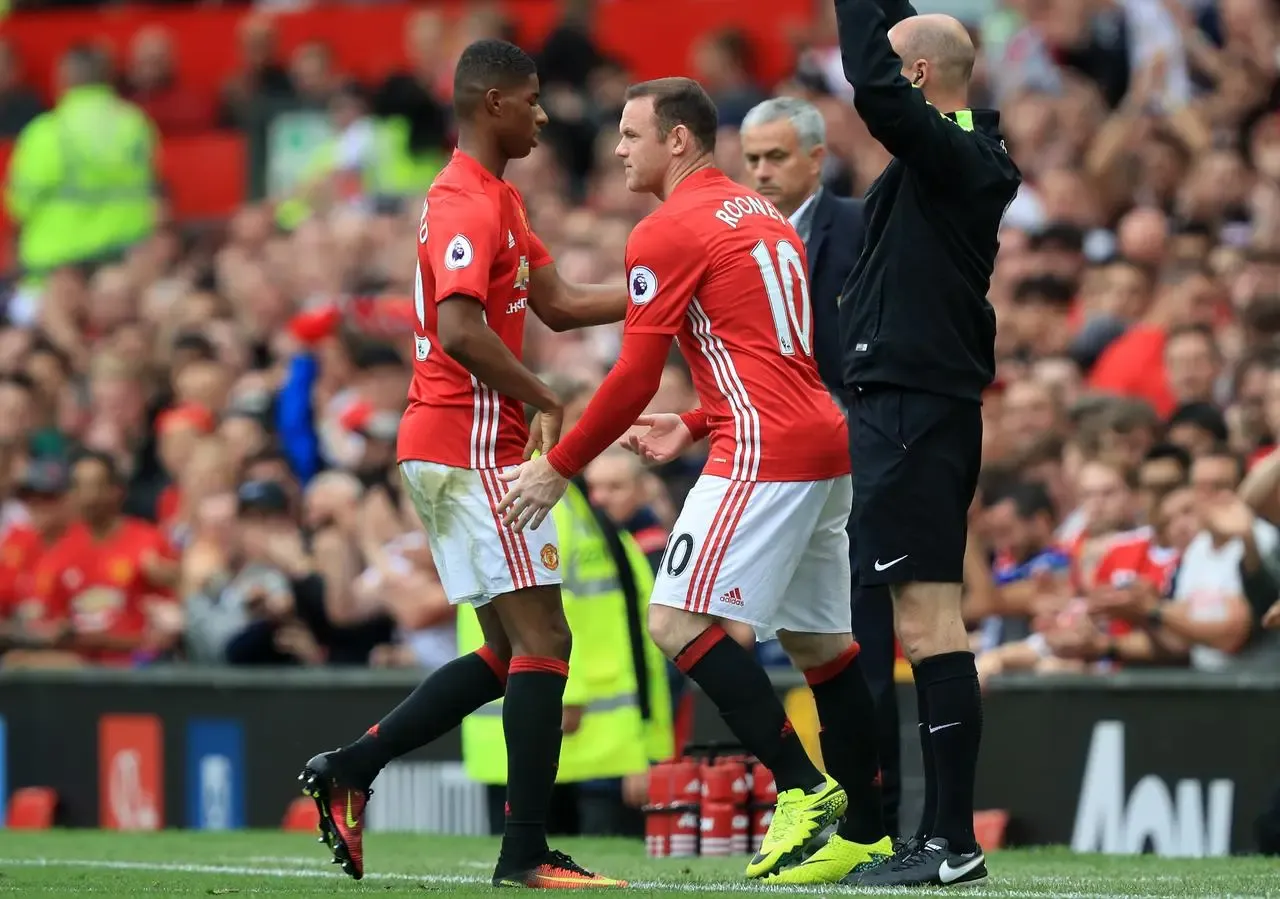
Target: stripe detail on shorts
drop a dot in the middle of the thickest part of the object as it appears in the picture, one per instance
(711, 557)
(486, 409)
(519, 566)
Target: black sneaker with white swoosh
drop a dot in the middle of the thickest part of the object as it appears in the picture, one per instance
(931, 864)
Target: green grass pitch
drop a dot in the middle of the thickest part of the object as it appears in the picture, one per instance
(271, 863)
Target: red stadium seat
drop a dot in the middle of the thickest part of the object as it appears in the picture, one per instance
(205, 174)
(301, 816)
(989, 827)
(33, 808)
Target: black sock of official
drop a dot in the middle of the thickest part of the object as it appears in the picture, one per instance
(930, 811)
(531, 720)
(955, 730)
(846, 713)
(436, 707)
(743, 693)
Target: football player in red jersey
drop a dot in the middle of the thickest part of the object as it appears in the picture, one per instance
(480, 268)
(761, 538)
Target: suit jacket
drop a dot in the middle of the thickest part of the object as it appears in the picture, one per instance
(835, 243)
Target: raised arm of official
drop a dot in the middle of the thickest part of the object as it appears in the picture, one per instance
(910, 76)
(865, 51)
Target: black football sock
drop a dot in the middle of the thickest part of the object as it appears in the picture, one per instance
(955, 730)
(930, 810)
(531, 718)
(846, 712)
(743, 693)
(434, 708)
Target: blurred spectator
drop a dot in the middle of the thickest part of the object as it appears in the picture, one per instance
(42, 492)
(260, 76)
(618, 485)
(723, 63)
(18, 103)
(414, 95)
(151, 81)
(311, 74)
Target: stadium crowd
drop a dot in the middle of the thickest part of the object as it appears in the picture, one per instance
(236, 392)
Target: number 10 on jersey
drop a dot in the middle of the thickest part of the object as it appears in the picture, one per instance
(792, 312)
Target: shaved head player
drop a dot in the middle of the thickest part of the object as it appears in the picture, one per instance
(479, 268)
(761, 539)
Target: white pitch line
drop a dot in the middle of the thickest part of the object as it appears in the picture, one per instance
(694, 887)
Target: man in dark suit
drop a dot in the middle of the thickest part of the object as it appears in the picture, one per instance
(783, 141)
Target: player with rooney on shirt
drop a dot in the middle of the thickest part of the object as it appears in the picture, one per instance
(761, 538)
(479, 268)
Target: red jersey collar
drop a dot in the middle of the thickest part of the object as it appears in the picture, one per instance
(699, 178)
(472, 165)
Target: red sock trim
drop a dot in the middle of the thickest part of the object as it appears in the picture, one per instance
(496, 665)
(699, 647)
(530, 664)
(824, 673)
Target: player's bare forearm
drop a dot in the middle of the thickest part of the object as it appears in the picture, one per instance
(563, 306)
(474, 345)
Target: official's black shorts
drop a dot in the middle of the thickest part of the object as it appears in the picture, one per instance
(916, 458)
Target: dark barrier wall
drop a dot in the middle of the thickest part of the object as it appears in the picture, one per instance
(1177, 765)
(1173, 764)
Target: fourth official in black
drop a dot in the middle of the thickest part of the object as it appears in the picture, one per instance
(919, 344)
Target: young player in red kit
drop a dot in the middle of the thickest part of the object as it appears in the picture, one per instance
(761, 538)
(479, 268)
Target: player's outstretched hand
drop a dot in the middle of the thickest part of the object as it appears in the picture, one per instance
(665, 440)
(534, 488)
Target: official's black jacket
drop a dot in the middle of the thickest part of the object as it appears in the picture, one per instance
(919, 316)
(835, 242)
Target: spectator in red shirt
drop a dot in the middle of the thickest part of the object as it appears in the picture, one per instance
(1135, 364)
(42, 491)
(106, 583)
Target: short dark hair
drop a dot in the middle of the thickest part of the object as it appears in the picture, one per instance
(1029, 498)
(196, 344)
(681, 101)
(486, 65)
(1048, 289)
(1162, 451)
(104, 459)
(1205, 416)
(87, 64)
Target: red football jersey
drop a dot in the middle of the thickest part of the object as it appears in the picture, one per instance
(722, 269)
(1135, 557)
(20, 553)
(99, 586)
(474, 241)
